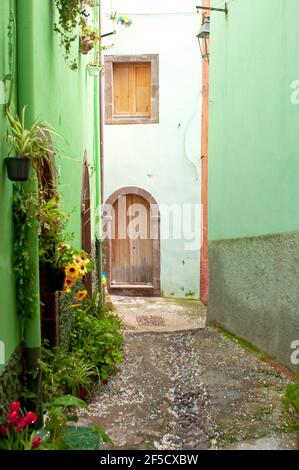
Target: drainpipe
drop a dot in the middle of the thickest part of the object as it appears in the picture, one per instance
(25, 93)
(98, 145)
(204, 258)
(101, 104)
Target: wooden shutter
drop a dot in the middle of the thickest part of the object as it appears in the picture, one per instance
(132, 89)
(142, 90)
(122, 91)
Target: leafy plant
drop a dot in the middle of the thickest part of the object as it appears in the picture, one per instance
(53, 222)
(96, 336)
(65, 372)
(31, 143)
(59, 413)
(89, 38)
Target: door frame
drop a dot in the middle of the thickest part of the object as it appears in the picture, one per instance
(142, 291)
(86, 241)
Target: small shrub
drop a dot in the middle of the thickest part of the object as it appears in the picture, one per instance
(96, 336)
(291, 400)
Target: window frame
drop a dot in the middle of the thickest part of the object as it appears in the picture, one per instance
(110, 117)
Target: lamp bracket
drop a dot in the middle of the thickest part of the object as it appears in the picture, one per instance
(223, 10)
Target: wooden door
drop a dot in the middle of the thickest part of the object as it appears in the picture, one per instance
(132, 247)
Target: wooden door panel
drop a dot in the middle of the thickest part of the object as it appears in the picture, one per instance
(121, 271)
(132, 257)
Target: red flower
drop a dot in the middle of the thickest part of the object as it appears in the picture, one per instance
(30, 418)
(3, 430)
(21, 424)
(14, 406)
(13, 418)
(36, 442)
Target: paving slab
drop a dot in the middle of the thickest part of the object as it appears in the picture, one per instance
(141, 315)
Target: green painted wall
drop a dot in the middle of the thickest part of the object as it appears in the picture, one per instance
(254, 128)
(68, 101)
(254, 174)
(60, 96)
(9, 327)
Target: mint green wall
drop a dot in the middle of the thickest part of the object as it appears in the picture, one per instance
(9, 327)
(254, 128)
(254, 174)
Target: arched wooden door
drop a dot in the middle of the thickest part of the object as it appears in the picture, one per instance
(131, 223)
(86, 218)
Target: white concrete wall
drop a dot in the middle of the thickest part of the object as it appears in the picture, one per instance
(162, 158)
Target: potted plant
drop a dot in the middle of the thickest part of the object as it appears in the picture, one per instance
(30, 146)
(89, 39)
(94, 69)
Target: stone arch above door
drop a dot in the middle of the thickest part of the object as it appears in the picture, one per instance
(155, 289)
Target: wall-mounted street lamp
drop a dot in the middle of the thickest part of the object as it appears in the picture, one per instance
(204, 38)
(204, 32)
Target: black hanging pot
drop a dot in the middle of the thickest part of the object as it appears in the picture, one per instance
(56, 278)
(18, 168)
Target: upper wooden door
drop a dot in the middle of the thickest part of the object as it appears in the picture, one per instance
(132, 247)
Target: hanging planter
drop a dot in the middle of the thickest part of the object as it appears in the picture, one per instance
(94, 70)
(18, 168)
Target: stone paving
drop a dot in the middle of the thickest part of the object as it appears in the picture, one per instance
(189, 390)
(159, 315)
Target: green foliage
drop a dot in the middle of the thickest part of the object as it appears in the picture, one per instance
(291, 397)
(30, 142)
(291, 400)
(94, 351)
(53, 222)
(59, 413)
(24, 215)
(96, 336)
(68, 24)
(65, 372)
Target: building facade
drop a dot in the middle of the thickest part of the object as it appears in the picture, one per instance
(253, 174)
(33, 72)
(152, 146)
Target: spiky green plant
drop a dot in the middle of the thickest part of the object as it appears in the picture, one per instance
(32, 142)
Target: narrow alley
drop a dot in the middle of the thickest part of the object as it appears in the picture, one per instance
(149, 228)
(192, 389)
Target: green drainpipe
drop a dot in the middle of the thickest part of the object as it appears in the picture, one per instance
(25, 90)
(97, 151)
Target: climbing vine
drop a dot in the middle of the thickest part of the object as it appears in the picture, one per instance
(25, 209)
(69, 20)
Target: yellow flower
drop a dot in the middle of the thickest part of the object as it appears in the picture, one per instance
(82, 269)
(72, 272)
(81, 295)
(104, 281)
(67, 290)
